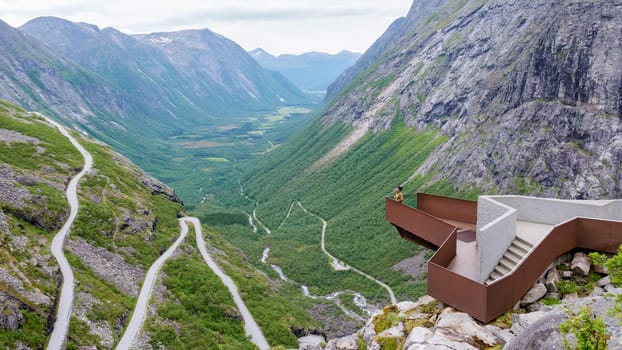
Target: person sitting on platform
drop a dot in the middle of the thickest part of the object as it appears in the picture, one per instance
(399, 196)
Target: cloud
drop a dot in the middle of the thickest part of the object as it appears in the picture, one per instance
(282, 25)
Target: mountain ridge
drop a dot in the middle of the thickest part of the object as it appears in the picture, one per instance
(310, 71)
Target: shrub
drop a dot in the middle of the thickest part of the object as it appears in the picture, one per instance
(587, 328)
(567, 287)
(614, 266)
(598, 259)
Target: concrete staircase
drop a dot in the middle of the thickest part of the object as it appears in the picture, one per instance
(513, 255)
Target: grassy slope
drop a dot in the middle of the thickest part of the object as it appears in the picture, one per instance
(110, 193)
(24, 159)
(349, 193)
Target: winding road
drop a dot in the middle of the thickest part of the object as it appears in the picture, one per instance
(63, 315)
(250, 326)
(337, 265)
(341, 266)
(61, 326)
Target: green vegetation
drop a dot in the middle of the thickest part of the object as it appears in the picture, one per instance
(614, 266)
(582, 286)
(388, 319)
(39, 159)
(588, 329)
(199, 312)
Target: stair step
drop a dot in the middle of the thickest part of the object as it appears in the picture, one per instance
(505, 262)
(517, 251)
(515, 259)
(522, 244)
(502, 269)
(495, 275)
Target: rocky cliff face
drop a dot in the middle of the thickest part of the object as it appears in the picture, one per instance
(529, 93)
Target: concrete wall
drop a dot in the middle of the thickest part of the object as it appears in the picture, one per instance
(496, 229)
(555, 211)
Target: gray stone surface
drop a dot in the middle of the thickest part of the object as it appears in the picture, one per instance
(11, 318)
(566, 274)
(541, 333)
(604, 281)
(520, 322)
(516, 69)
(418, 336)
(107, 265)
(580, 264)
(552, 277)
(346, 343)
(534, 294)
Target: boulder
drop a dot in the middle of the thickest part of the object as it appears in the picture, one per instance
(394, 332)
(566, 274)
(580, 264)
(418, 335)
(570, 297)
(597, 292)
(542, 332)
(349, 342)
(534, 294)
(522, 321)
(552, 277)
(503, 334)
(310, 342)
(11, 319)
(464, 325)
(604, 281)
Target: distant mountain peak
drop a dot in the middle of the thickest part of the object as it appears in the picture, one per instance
(311, 71)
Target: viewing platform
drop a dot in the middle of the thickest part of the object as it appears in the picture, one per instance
(489, 253)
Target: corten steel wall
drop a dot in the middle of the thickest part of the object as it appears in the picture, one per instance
(601, 235)
(506, 291)
(486, 302)
(448, 208)
(418, 223)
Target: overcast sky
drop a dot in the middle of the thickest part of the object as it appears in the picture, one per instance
(277, 26)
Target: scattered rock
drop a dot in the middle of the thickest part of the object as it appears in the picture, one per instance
(552, 277)
(4, 225)
(598, 291)
(11, 318)
(107, 265)
(567, 274)
(604, 281)
(311, 342)
(27, 180)
(569, 297)
(580, 264)
(520, 322)
(349, 342)
(534, 294)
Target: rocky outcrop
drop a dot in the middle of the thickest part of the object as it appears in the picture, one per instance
(528, 94)
(11, 318)
(108, 266)
(427, 324)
